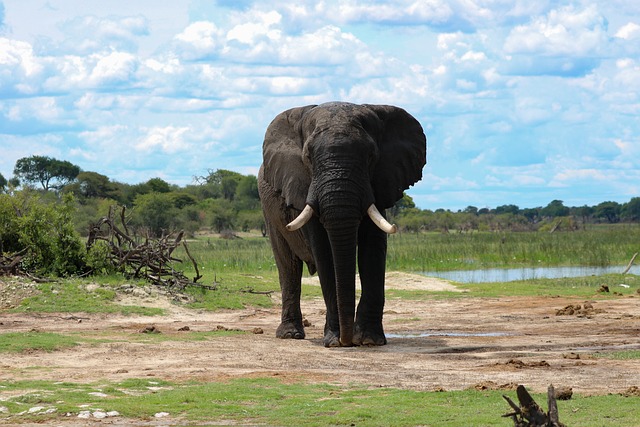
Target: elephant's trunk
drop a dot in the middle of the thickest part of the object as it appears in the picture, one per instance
(343, 246)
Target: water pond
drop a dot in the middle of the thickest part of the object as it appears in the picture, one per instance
(512, 274)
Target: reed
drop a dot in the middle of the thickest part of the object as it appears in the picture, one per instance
(438, 251)
(605, 246)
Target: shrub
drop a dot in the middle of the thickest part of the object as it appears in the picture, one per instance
(44, 229)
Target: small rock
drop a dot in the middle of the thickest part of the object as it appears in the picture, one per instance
(99, 415)
(150, 330)
(603, 288)
(563, 393)
(185, 328)
(113, 414)
(258, 331)
(632, 391)
(84, 414)
(571, 355)
(161, 414)
(306, 323)
(35, 409)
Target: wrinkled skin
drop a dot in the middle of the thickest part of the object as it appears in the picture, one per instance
(338, 158)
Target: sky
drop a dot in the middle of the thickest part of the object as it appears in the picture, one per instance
(522, 102)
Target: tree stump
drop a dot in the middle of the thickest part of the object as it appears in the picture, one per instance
(530, 414)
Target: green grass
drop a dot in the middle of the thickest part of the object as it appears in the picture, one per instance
(20, 342)
(597, 246)
(72, 296)
(272, 402)
(27, 342)
(438, 251)
(619, 355)
(579, 287)
(235, 290)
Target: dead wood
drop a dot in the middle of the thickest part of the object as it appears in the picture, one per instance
(10, 265)
(633, 258)
(150, 259)
(530, 414)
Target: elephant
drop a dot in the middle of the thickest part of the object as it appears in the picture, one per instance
(329, 172)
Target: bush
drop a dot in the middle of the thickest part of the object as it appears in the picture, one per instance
(45, 230)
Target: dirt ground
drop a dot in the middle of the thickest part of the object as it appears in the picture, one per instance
(436, 344)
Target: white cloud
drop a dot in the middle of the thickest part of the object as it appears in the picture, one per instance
(168, 139)
(564, 31)
(630, 31)
(249, 32)
(492, 82)
(199, 40)
(86, 34)
(116, 67)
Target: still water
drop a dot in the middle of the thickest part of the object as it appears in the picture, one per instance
(512, 274)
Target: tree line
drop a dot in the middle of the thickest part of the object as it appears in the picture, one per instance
(223, 200)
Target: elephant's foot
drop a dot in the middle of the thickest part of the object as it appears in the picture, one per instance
(290, 330)
(331, 337)
(368, 335)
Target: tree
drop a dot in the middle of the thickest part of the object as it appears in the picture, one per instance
(609, 211)
(631, 209)
(3, 182)
(159, 185)
(224, 182)
(157, 212)
(92, 185)
(512, 209)
(554, 209)
(247, 193)
(471, 210)
(47, 171)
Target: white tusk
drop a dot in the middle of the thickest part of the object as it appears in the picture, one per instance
(302, 219)
(379, 220)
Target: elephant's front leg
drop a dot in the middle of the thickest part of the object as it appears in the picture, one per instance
(372, 254)
(290, 275)
(319, 242)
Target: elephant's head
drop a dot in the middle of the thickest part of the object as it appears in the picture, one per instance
(340, 161)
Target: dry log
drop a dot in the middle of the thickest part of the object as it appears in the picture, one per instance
(530, 414)
(633, 258)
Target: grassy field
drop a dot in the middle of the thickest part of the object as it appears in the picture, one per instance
(239, 268)
(598, 246)
(268, 401)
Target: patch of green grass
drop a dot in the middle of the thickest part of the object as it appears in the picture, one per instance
(619, 355)
(267, 401)
(181, 336)
(18, 342)
(73, 296)
(581, 287)
(453, 251)
(235, 290)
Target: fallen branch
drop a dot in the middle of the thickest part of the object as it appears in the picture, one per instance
(530, 414)
(633, 258)
(151, 260)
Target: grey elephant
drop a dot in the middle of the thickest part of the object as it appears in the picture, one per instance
(329, 171)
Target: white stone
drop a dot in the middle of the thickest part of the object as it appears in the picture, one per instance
(84, 414)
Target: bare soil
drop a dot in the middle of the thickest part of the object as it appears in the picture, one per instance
(436, 344)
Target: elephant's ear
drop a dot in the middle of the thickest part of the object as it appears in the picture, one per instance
(282, 157)
(403, 154)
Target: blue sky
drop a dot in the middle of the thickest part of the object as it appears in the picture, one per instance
(523, 102)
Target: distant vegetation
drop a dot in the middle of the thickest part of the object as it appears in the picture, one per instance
(50, 204)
